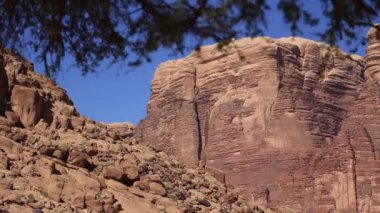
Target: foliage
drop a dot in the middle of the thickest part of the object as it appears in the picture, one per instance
(98, 30)
(45, 193)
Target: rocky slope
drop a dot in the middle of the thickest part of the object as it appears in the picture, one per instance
(54, 160)
(289, 122)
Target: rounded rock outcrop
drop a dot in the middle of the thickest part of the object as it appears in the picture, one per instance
(372, 70)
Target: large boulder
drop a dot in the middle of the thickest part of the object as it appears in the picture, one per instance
(28, 104)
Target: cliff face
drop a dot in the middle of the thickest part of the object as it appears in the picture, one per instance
(359, 137)
(289, 122)
(52, 159)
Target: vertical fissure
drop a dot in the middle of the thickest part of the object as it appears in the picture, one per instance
(371, 142)
(199, 132)
(350, 139)
(198, 122)
(207, 121)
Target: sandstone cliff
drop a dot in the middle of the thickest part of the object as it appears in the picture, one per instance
(52, 159)
(289, 122)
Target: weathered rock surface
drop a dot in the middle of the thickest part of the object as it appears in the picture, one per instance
(271, 117)
(54, 160)
(354, 183)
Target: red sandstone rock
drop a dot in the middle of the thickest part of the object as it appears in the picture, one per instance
(349, 166)
(156, 188)
(271, 117)
(27, 103)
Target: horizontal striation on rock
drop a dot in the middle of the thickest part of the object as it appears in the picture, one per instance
(355, 153)
(265, 112)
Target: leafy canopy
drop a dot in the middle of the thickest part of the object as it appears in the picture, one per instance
(93, 31)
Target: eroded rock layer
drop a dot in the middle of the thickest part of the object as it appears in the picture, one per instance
(356, 149)
(270, 117)
(52, 159)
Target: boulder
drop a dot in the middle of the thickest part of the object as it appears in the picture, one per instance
(157, 189)
(112, 172)
(79, 159)
(77, 123)
(13, 117)
(4, 161)
(15, 208)
(126, 175)
(73, 195)
(28, 104)
(12, 148)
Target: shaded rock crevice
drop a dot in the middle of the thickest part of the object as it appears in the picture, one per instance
(354, 176)
(201, 143)
(370, 139)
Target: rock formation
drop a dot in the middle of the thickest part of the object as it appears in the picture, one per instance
(52, 159)
(290, 122)
(358, 142)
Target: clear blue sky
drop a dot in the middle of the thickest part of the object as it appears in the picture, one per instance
(118, 94)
